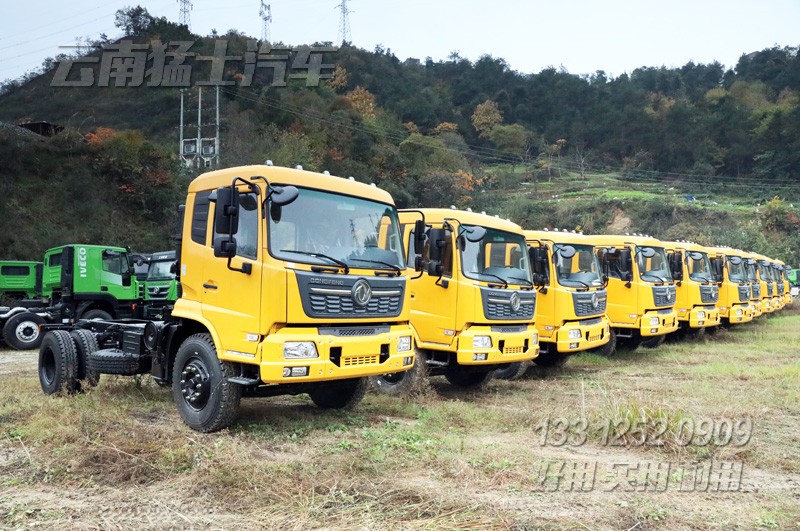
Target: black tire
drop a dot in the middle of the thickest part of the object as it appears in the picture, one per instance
(342, 394)
(113, 361)
(460, 376)
(85, 345)
(510, 371)
(609, 349)
(206, 400)
(406, 383)
(58, 363)
(97, 314)
(712, 330)
(550, 359)
(653, 342)
(21, 331)
(630, 343)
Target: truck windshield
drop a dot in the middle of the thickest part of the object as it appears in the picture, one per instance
(325, 228)
(160, 271)
(699, 266)
(751, 272)
(499, 255)
(737, 272)
(653, 264)
(576, 265)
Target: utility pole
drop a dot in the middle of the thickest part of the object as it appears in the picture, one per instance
(266, 15)
(185, 13)
(199, 126)
(216, 138)
(344, 23)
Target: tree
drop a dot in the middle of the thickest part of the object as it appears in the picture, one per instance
(486, 116)
(133, 21)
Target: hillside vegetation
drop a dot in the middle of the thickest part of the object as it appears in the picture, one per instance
(698, 151)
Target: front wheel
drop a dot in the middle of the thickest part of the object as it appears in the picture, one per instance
(653, 342)
(460, 376)
(58, 363)
(510, 371)
(21, 331)
(97, 314)
(342, 394)
(550, 359)
(206, 400)
(609, 349)
(406, 383)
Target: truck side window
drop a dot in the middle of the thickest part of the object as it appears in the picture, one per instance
(200, 217)
(614, 270)
(117, 264)
(54, 260)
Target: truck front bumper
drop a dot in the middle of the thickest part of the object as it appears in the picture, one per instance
(576, 336)
(658, 322)
(738, 313)
(506, 347)
(703, 317)
(338, 356)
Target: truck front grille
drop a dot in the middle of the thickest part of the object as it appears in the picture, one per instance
(664, 295)
(508, 304)
(709, 294)
(744, 293)
(339, 297)
(352, 361)
(586, 304)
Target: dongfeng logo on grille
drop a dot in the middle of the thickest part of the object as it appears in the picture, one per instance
(361, 292)
(514, 301)
(595, 301)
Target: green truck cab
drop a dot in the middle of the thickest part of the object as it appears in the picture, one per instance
(90, 281)
(20, 279)
(160, 287)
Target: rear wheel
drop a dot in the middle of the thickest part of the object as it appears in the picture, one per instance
(406, 383)
(342, 394)
(206, 400)
(21, 331)
(460, 376)
(58, 363)
(85, 345)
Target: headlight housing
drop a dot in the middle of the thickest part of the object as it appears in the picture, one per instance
(701, 315)
(404, 344)
(298, 350)
(574, 334)
(482, 342)
(654, 321)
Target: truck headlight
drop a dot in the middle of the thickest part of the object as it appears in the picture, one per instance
(535, 339)
(404, 344)
(701, 315)
(654, 321)
(739, 312)
(574, 334)
(297, 350)
(481, 342)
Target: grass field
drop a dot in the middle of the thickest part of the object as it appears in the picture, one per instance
(695, 434)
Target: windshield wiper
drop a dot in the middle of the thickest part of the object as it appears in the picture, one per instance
(320, 255)
(579, 281)
(387, 264)
(525, 280)
(501, 279)
(662, 280)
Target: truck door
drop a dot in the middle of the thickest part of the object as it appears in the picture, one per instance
(232, 299)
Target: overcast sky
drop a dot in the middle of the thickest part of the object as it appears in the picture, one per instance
(583, 36)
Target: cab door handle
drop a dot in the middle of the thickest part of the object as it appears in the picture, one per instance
(210, 286)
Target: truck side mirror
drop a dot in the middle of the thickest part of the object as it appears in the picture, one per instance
(419, 237)
(717, 265)
(437, 242)
(539, 264)
(676, 265)
(226, 213)
(626, 265)
(126, 279)
(225, 247)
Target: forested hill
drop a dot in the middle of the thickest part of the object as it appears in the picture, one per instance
(435, 132)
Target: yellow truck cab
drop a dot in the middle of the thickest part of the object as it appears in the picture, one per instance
(697, 292)
(473, 304)
(776, 271)
(730, 274)
(571, 300)
(292, 282)
(641, 291)
(751, 266)
(764, 276)
(787, 288)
